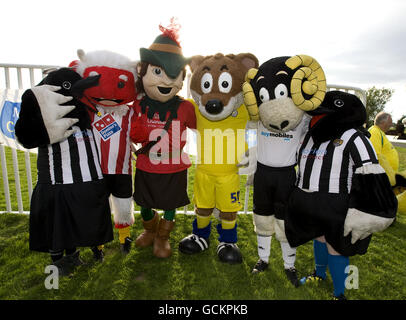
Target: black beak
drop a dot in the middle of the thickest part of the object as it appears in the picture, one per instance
(321, 110)
(79, 87)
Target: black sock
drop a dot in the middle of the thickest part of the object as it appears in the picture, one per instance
(56, 255)
(70, 251)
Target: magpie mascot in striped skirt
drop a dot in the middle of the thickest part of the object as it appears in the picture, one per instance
(342, 194)
(69, 205)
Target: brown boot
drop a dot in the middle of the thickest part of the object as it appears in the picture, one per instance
(162, 248)
(146, 238)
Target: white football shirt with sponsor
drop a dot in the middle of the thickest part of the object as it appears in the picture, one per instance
(280, 149)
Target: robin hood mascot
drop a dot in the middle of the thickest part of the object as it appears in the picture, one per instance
(163, 117)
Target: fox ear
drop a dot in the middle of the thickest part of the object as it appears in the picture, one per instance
(194, 61)
(248, 60)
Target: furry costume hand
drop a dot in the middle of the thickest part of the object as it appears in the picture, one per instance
(42, 112)
(248, 163)
(370, 210)
(362, 224)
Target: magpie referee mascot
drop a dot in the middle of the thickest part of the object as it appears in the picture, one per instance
(342, 194)
(69, 205)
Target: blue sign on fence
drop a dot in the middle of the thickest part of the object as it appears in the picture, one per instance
(8, 117)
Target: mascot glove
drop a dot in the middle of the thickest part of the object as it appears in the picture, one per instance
(248, 163)
(52, 112)
(138, 133)
(362, 224)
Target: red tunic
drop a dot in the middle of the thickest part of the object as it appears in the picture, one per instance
(172, 158)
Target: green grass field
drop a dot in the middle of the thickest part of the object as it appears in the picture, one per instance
(382, 272)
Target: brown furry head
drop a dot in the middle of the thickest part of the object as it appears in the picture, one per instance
(216, 83)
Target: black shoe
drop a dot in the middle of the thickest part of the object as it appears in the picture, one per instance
(340, 297)
(64, 268)
(98, 255)
(311, 278)
(126, 246)
(260, 266)
(74, 259)
(193, 244)
(229, 253)
(291, 273)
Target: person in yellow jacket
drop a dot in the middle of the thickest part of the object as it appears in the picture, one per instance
(382, 146)
(388, 156)
(221, 118)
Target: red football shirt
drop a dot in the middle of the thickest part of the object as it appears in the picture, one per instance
(166, 156)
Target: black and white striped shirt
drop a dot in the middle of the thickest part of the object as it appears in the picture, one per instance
(329, 166)
(72, 160)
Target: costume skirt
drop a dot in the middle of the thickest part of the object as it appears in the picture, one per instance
(69, 215)
(314, 214)
(161, 191)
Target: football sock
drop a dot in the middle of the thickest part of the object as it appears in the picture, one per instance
(320, 258)
(202, 221)
(201, 232)
(337, 266)
(123, 233)
(169, 215)
(147, 214)
(56, 255)
(227, 224)
(288, 254)
(227, 235)
(264, 247)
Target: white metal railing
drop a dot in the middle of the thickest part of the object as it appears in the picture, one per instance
(18, 77)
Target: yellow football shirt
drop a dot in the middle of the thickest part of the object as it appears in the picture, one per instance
(220, 144)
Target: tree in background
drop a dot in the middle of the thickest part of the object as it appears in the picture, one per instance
(376, 101)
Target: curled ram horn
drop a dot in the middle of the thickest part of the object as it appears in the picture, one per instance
(249, 96)
(309, 79)
(81, 54)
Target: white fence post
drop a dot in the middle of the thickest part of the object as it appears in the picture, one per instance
(5, 178)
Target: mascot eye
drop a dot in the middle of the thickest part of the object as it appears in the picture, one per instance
(338, 103)
(157, 71)
(281, 91)
(263, 94)
(225, 82)
(206, 83)
(121, 84)
(66, 85)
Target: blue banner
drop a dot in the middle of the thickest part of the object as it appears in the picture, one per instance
(8, 117)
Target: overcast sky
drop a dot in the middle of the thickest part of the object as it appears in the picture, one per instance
(358, 43)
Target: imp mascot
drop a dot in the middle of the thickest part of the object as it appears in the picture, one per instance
(162, 120)
(342, 194)
(112, 116)
(278, 94)
(69, 204)
(216, 88)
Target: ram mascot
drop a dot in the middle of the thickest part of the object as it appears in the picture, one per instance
(221, 115)
(278, 94)
(69, 204)
(342, 194)
(111, 117)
